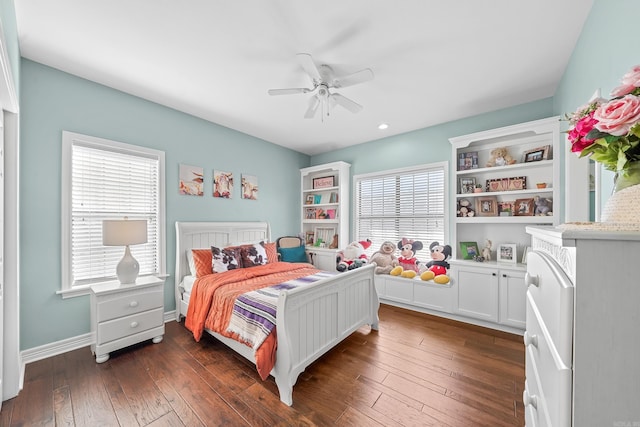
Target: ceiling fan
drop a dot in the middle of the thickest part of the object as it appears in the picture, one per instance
(324, 80)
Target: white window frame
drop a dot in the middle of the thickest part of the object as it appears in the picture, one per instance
(444, 166)
(68, 289)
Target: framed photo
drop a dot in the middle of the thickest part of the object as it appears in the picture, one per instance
(537, 154)
(517, 183)
(507, 253)
(467, 185)
(468, 161)
(487, 206)
(523, 207)
(469, 250)
(324, 182)
(308, 237)
(309, 199)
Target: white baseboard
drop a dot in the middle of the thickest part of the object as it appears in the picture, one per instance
(66, 345)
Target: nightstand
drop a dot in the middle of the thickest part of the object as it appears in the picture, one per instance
(122, 315)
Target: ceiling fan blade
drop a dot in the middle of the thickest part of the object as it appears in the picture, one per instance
(289, 91)
(354, 79)
(313, 106)
(346, 103)
(306, 62)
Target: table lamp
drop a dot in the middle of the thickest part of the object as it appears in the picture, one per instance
(125, 232)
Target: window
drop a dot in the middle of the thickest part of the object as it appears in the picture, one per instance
(101, 180)
(401, 203)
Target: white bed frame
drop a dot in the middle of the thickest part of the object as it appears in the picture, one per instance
(311, 320)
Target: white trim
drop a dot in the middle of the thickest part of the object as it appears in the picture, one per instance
(68, 139)
(69, 344)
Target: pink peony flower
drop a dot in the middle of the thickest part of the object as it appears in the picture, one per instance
(622, 90)
(579, 132)
(618, 116)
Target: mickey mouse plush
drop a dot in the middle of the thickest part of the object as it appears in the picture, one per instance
(409, 265)
(437, 267)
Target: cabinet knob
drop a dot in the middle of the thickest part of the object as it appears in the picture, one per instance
(494, 274)
(530, 339)
(528, 399)
(134, 324)
(133, 304)
(530, 279)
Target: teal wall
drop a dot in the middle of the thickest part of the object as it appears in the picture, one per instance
(608, 47)
(53, 101)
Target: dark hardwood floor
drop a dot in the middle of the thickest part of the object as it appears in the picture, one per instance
(417, 370)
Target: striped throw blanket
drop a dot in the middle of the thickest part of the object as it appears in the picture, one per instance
(254, 313)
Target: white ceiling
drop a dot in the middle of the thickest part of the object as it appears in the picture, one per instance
(434, 60)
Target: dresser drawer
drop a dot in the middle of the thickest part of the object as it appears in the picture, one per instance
(133, 324)
(546, 368)
(551, 291)
(127, 303)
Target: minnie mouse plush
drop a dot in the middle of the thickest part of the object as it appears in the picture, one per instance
(409, 265)
(437, 267)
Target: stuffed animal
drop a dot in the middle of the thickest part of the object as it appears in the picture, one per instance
(408, 264)
(384, 258)
(465, 209)
(352, 256)
(486, 251)
(543, 206)
(500, 157)
(437, 267)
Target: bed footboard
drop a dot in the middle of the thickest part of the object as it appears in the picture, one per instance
(313, 319)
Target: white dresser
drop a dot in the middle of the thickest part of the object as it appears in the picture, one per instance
(582, 327)
(122, 315)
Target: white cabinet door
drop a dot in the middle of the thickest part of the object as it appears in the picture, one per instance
(323, 259)
(513, 295)
(477, 292)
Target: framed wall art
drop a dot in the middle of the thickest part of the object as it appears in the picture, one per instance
(191, 180)
(222, 184)
(249, 187)
(523, 207)
(506, 253)
(469, 250)
(537, 154)
(487, 206)
(324, 182)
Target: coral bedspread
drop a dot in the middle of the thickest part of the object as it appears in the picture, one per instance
(213, 297)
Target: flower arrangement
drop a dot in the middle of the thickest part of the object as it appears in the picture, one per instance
(608, 131)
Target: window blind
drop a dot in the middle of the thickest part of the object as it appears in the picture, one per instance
(111, 183)
(402, 203)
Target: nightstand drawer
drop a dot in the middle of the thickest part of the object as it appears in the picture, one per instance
(118, 328)
(129, 303)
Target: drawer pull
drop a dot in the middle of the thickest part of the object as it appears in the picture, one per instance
(530, 279)
(529, 399)
(530, 339)
(133, 304)
(134, 324)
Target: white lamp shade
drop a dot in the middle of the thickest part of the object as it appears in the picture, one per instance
(123, 232)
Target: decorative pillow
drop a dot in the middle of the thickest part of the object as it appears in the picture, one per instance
(199, 262)
(225, 259)
(253, 255)
(272, 252)
(293, 254)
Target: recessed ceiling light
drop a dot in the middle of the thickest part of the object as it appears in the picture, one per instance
(383, 126)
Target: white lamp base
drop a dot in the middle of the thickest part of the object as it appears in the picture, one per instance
(128, 268)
